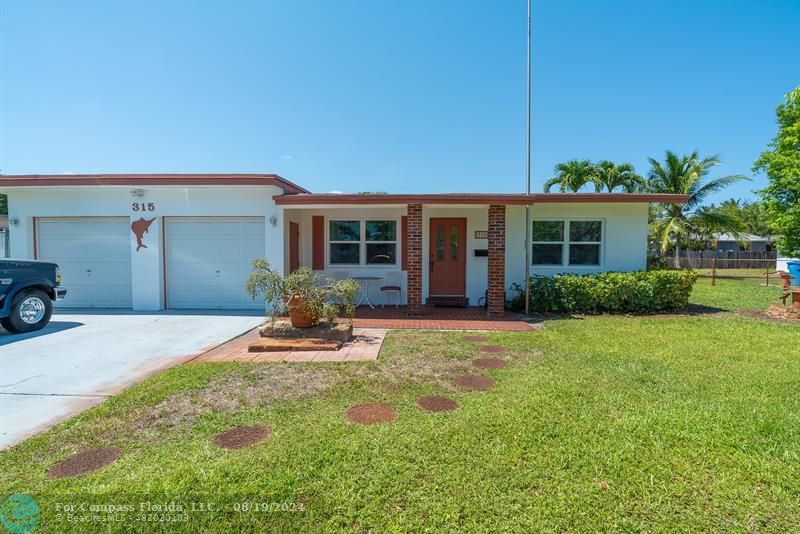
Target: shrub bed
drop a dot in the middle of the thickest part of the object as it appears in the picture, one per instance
(634, 292)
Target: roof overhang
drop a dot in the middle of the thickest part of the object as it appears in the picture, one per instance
(477, 199)
(139, 180)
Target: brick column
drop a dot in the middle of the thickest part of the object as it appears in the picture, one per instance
(497, 262)
(414, 250)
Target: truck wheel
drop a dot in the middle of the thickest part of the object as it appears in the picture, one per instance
(30, 311)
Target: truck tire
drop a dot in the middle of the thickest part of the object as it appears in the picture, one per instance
(30, 311)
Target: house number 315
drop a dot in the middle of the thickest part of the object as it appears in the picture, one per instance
(141, 206)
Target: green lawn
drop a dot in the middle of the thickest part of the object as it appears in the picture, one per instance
(604, 423)
(730, 294)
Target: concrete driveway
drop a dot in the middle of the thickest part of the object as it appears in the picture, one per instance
(81, 358)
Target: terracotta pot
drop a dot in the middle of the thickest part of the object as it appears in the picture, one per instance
(796, 298)
(297, 313)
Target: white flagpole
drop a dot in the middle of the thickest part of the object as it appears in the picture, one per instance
(528, 171)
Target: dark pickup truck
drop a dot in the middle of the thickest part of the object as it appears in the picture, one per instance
(27, 291)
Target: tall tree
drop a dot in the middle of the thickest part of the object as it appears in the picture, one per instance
(571, 176)
(610, 176)
(753, 215)
(781, 164)
(685, 175)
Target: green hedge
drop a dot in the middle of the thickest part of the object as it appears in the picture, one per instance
(636, 292)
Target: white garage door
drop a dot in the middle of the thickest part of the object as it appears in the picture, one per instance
(94, 254)
(209, 260)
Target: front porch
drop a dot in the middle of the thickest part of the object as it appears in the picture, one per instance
(430, 253)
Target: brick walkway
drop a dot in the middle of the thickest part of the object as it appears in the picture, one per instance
(365, 345)
(473, 318)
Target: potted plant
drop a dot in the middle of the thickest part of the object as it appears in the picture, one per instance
(305, 295)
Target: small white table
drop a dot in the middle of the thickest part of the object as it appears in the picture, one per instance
(364, 282)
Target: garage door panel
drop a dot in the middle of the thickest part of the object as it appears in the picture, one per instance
(94, 257)
(209, 260)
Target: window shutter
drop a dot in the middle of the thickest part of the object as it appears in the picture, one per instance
(318, 242)
(404, 240)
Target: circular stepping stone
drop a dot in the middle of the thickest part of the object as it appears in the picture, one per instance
(371, 414)
(492, 349)
(431, 403)
(474, 382)
(84, 462)
(489, 363)
(476, 338)
(241, 437)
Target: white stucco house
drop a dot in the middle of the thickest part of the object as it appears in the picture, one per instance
(167, 241)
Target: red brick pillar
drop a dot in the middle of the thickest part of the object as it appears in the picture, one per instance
(497, 262)
(414, 250)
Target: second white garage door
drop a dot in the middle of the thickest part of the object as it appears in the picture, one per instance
(208, 261)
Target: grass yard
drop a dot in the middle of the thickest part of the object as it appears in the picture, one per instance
(605, 423)
(731, 294)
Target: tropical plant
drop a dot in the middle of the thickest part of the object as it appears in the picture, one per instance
(685, 175)
(752, 214)
(571, 176)
(781, 164)
(320, 297)
(608, 175)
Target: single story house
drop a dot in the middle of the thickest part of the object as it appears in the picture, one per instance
(186, 241)
(724, 242)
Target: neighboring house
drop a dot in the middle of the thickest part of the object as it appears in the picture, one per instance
(728, 242)
(150, 242)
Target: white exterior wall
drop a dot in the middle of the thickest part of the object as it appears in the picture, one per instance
(624, 246)
(168, 201)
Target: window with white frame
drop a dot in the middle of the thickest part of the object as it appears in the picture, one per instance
(567, 242)
(362, 242)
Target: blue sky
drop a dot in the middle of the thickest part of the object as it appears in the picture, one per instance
(394, 96)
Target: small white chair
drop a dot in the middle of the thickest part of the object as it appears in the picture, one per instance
(392, 284)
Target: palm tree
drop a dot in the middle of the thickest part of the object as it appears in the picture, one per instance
(611, 176)
(684, 175)
(571, 176)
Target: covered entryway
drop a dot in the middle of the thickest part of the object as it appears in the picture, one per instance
(208, 260)
(447, 263)
(94, 255)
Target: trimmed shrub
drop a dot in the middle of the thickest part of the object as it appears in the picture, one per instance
(658, 290)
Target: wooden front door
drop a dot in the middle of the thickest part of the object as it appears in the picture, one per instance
(294, 247)
(448, 257)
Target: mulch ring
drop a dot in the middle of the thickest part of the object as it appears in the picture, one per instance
(432, 403)
(474, 382)
(478, 339)
(371, 414)
(492, 349)
(84, 462)
(241, 437)
(489, 363)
